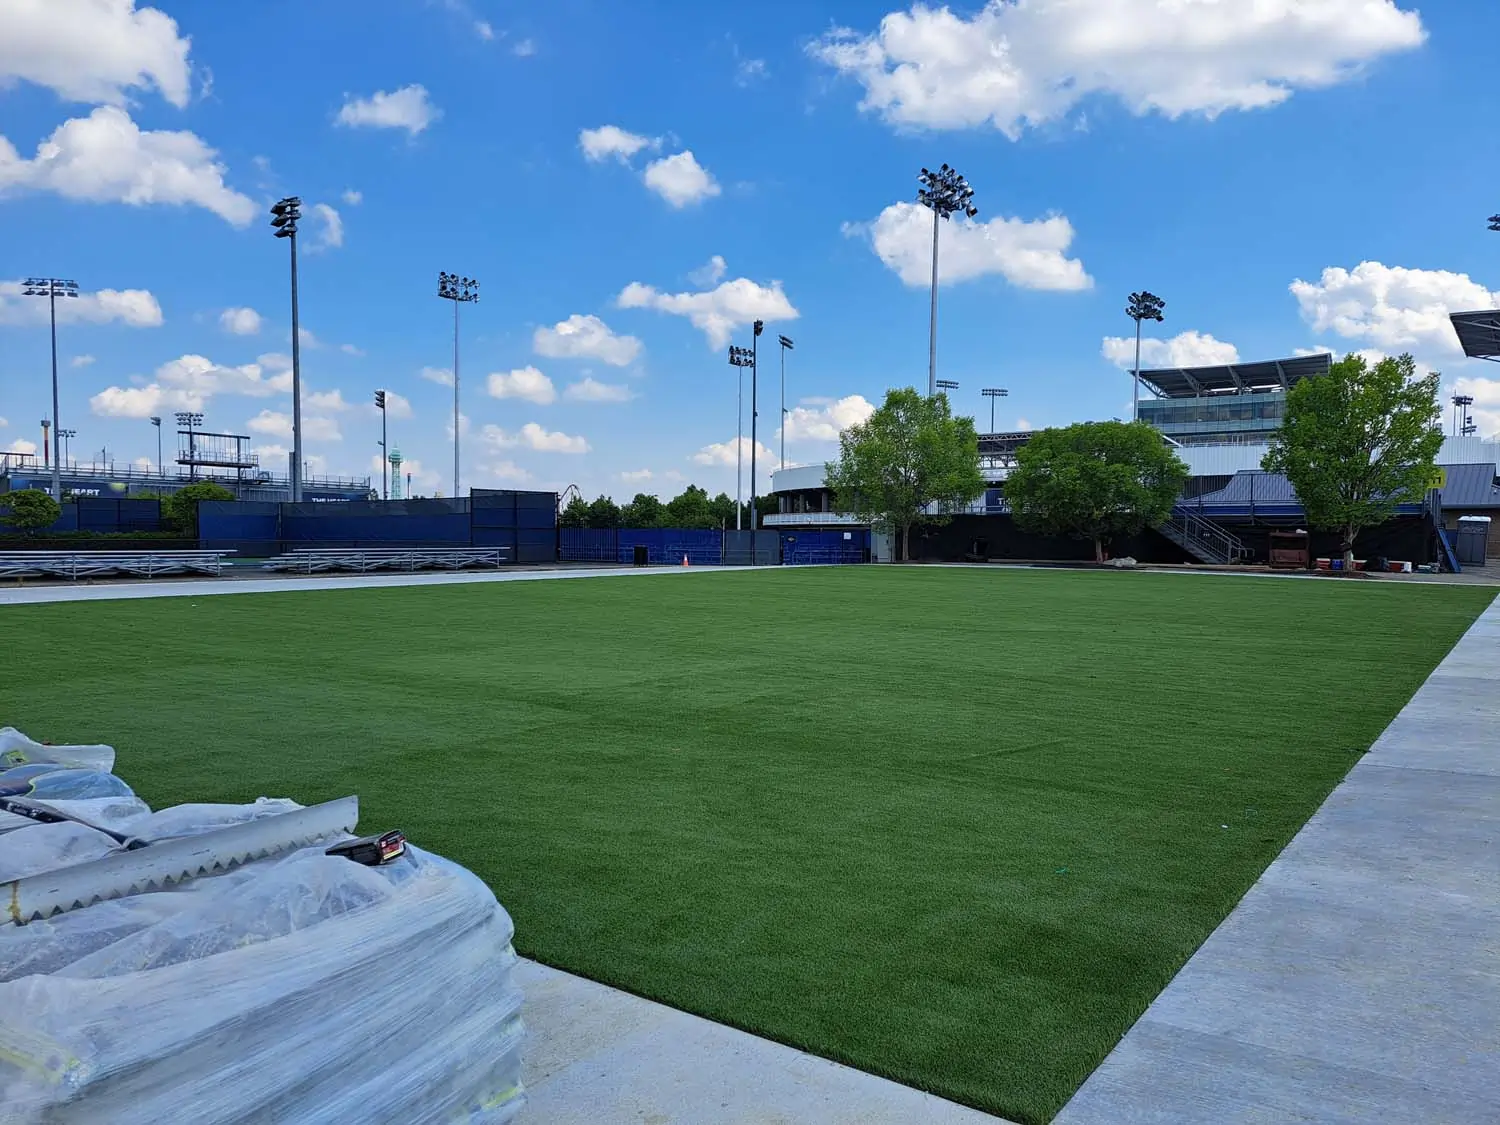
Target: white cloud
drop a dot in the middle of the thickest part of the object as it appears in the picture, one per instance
(715, 312)
(331, 235)
(442, 376)
(825, 423)
(136, 308)
(326, 400)
(1390, 306)
(187, 383)
(590, 389)
(612, 141)
(1030, 254)
(749, 71)
(143, 402)
(524, 48)
(93, 50)
(22, 445)
(1014, 65)
(397, 406)
(350, 349)
(463, 426)
(636, 476)
(723, 453)
(308, 340)
(106, 158)
(524, 383)
(680, 179)
(408, 108)
(1186, 349)
(585, 337)
(711, 272)
(353, 198)
(506, 472)
(1022, 424)
(484, 30)
(1486, 408)
(533, 436)
(240, 322)
(276, 424)
(82, 360)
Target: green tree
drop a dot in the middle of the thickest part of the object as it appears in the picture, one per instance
(1094, 480)
(644, 510)
(604, 513)
(911, 463)
(181, 507)
(721, 509)
(576, 514)
(1357, 442)
(691, 508)
(29, 510)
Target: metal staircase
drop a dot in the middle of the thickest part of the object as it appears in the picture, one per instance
(1205, 540)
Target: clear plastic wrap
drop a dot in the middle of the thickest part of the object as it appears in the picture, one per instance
(305, 988)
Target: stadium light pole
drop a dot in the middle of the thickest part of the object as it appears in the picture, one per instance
(459, 290)
(944, 192)
(1495, 222)
(52, 288)
(756, 329)
(284, 217)
(946, 385)
(740, 358)
(188, 419)
(992, 393)
(67, 437)
(156, 421)
(786, 346)
(1143, 306)
(385, 492)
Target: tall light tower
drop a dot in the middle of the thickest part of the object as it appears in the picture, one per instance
(1461, 404)
(946, 385)
(992, 393)
(786, 346)
(740, 358)
(1143, 306)
(1495, 222)
(385, 492)
(160, 469)
(395, 462)
(188, 419)
(66, 437)
(457, 289)
(945, 192)
(285, 215)
(52, 288)
(758, 327)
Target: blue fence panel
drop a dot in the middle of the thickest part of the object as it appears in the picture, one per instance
(666, 546)
(588, 544)
(373, 523)
(825, 545)
(252, 528)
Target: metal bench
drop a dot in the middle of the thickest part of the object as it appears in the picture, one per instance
(312, 560)
(101, 564)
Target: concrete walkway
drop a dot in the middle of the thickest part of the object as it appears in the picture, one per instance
(1359, 979)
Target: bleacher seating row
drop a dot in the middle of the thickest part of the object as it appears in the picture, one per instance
(315, 560)
(104, 564)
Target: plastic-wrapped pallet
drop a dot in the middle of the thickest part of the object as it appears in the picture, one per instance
(300, 988)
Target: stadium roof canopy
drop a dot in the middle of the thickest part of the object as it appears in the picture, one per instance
(1478, 333)
(1236, 378)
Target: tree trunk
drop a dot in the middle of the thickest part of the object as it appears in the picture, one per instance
(1098, 549)
(1349, 533)
(906, 542)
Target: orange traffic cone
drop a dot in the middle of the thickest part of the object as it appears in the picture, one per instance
(684, 560)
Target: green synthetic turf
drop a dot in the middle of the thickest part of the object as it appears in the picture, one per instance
(954, 826)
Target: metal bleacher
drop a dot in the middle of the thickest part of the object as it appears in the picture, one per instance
(105, 564)
(316, 560)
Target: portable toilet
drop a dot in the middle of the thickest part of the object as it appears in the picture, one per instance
(1472, 541)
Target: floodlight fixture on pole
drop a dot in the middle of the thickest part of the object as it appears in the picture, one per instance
(160, 470)
(189, 419)
(459, 290)
(947, 385)
(740, 358)
(756, 329)
(786, 346)
(1495, 222)
(945, 193)
(992, 393)
(385, 491)
(285, 215)
(52, 288)
(67, 440)
(1143, 306)
(1461, 404)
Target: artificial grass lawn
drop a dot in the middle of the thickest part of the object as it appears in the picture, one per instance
(957, 827)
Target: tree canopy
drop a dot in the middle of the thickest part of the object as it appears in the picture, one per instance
(1094, 480)
(690, 508)
(644, 510)
(911, 463)
(575, 514)
(604, 512)
(1358, 442)
(181, 507)
(29, 509)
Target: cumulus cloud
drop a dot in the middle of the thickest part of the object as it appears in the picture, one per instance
(826, 422)
(534, 436)
(352, 198)
(524, 383)
(276, 424)
(1186, 349)
(397, 406)
(76, 361)
(240, 322)
(680, 179)
(715, 312)
(585, 337)
(350, 349)
(135, 308)
(94, 50)
(749, 71)
(710, 273)
(524, 48)
(1030, 254)
(610, 141)
(21, 445)
(636, 476)
(505, 472)
(408, 108)
(106, 158)
(331, 227)
(1390, 306)
(442, 376)
(326, 400)
(1486, 396)
(188, 382)
(724, 452)
(590, 389)
(1012, 65)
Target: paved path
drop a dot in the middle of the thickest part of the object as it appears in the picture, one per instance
(1359, 979)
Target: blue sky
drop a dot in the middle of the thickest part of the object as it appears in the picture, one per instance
(1294, 174)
